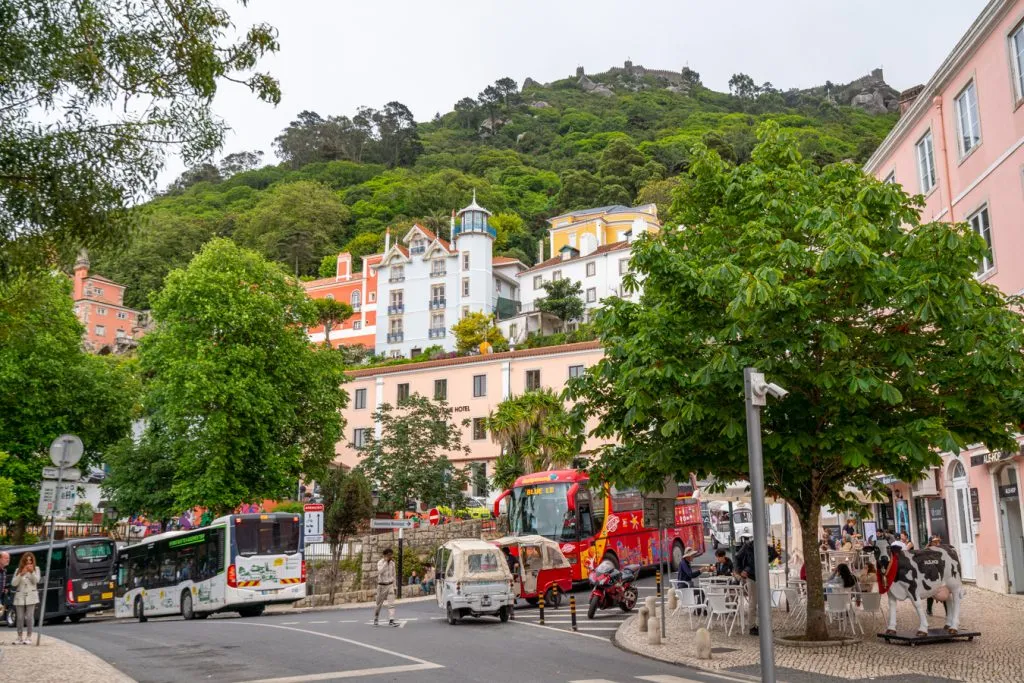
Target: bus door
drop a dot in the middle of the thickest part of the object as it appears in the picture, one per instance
(586, 530)
(58, 577)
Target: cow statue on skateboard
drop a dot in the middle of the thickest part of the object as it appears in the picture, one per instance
(933, 572)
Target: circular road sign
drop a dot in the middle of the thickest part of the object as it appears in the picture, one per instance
(66, 450)
(434, 516)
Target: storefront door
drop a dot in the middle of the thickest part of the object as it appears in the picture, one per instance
(1013, 530)
(921, 520)
(962, 519)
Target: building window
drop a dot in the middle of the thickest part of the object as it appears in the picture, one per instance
(532, 380)
(479, 386)
(623, 266)
(465, 286)
(329, 296)
(396, 326)
(592, 269)
(557, 275)
(359, 437)
(465, 260)
(403, 391)
(479, 429)
(437, 267)
(513, 331)
(397, 273)
(538, 282)
(440, 390)
(891, 178)
(121, 315)
(926, 163)
(96, 291)
(397, 304)
(373, 297)
(100, 310)
(437, 296)
(1017, 54)
(576, 370)
(100, 330)
(465, 311)
(980, 225)
(356, 300)
(357, 325)
(360, 399)
(497, 285)
(591, 295)
(968, 124)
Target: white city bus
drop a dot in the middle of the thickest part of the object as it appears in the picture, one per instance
(240, 563)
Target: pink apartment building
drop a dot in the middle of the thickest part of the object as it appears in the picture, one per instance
(110, 326)
(473, 386)
(960, 143)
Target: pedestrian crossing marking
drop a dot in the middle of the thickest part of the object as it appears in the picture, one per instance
(592, 680)
(598, 628)
(664, 678)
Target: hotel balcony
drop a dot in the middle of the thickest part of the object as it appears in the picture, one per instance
(396, 278)
(437, 332)
(435, 304)
(396, 309)
(438, 273)
(395, 337)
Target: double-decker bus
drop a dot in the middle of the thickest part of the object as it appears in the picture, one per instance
(239, 563)
(595, 525)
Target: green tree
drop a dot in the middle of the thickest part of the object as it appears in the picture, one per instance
(82, 513)
(476, 328)
(330, 313)
(239, 162)
(328, 266)
(348, 504)
(364, 244)
(6, 490)
(238, 399)
(535, 433)
(563, 300)
(75, 65)
(410, 459)
(53, 387)
(296, 224)
(507, 468)
(826, 280)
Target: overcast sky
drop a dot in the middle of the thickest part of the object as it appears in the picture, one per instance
(337, 55)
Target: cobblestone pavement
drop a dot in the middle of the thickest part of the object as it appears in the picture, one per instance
(54, 660)
(996, 657)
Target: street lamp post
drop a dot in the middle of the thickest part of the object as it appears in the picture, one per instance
(756, 392)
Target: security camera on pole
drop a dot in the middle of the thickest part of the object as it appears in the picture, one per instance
(756, 392)
(65, 452)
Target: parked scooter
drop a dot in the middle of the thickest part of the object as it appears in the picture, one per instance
(612, 587)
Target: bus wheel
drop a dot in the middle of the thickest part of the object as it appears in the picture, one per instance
(75, 618)
(677, 555)
(254, 611)
(140, 610)
(187, 613)
(610, 557)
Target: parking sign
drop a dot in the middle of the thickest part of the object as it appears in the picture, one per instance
(313, 515)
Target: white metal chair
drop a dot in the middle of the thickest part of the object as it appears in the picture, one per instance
(723, 607)
(839, 607)
(689, 599)
(871, 603)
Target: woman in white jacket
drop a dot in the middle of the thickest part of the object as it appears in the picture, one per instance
(26, 596)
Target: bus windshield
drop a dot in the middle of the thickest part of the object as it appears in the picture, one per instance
(271, 536)
(542, 509)
(89, 553)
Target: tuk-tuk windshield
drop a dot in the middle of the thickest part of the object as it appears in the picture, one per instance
(482, 562)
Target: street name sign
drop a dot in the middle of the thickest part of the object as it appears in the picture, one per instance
(70, 474)
(391, 524)
(313, 516)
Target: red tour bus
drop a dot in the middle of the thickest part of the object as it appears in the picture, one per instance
(589, 528)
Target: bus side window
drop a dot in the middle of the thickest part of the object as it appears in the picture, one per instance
(586, 521)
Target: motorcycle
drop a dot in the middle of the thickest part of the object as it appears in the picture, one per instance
(612, 587)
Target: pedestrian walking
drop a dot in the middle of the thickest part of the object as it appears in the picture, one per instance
(25, 581)
(746, 569)
(386, 586)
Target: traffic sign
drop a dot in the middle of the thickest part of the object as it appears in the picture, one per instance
(66, 450)
(391, 524)
(434, 517)
(48, 501)
(314, 522)
(68, 474)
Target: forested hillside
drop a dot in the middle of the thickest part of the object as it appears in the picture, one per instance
(529, 155)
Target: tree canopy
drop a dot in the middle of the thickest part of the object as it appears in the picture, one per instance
(238, 402)
(535, 433)
(476, 328)
(563, 300)
(825, 280)
(95, 94)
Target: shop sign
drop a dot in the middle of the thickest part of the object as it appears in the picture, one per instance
(889, 479)
(986, 458)
(1008, 491)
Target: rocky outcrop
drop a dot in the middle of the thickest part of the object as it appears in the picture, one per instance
(530, 83)
(587, 85)
(540, 104)
(870, 101)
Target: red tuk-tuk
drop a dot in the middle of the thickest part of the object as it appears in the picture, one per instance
(543, 569)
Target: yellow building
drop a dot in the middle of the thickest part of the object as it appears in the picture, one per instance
(588, 229)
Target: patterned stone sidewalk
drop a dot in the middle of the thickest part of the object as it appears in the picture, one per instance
(54, 660)
(996, 657)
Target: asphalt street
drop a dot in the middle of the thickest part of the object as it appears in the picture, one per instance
(342, 644)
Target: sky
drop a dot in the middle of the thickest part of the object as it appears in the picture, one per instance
(337, 55)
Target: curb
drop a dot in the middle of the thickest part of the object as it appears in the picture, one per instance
(713, 672)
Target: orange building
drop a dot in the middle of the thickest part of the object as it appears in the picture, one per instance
(110, 326)
(359, 290)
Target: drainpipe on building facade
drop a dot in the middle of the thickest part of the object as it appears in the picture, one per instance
(937, 101)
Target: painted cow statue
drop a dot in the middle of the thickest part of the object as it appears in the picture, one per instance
(933, 572)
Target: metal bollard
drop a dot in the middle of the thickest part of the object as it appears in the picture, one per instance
(654, 632)
(572, 610)
(540, 603)
(645, 616)
(657, 582)
(554, 597)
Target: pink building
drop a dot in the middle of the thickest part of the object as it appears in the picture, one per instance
(473, 386)
(960, 143)
(110, 326)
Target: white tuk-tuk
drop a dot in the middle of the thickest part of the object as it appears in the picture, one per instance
(473, 578)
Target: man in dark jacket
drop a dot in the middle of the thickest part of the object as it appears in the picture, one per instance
(746, 570)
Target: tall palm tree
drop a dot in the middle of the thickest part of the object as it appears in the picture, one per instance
(534, 433)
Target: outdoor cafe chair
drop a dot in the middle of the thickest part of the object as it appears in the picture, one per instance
(839, 607)
(871, 603)
(689, 599)
(724, 607)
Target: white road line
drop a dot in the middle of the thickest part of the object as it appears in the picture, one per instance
(598, 628)
(592, 680)
(342, 621)
(317, 622)
(663, 678)
(418, 664)
(290, 623)
(560, 630)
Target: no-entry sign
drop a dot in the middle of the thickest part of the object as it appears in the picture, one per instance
(434, 517)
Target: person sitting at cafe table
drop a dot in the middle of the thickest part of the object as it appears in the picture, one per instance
(868, 578)
(842, 578)
(686, 573)
(722, 565)
(849, 529)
